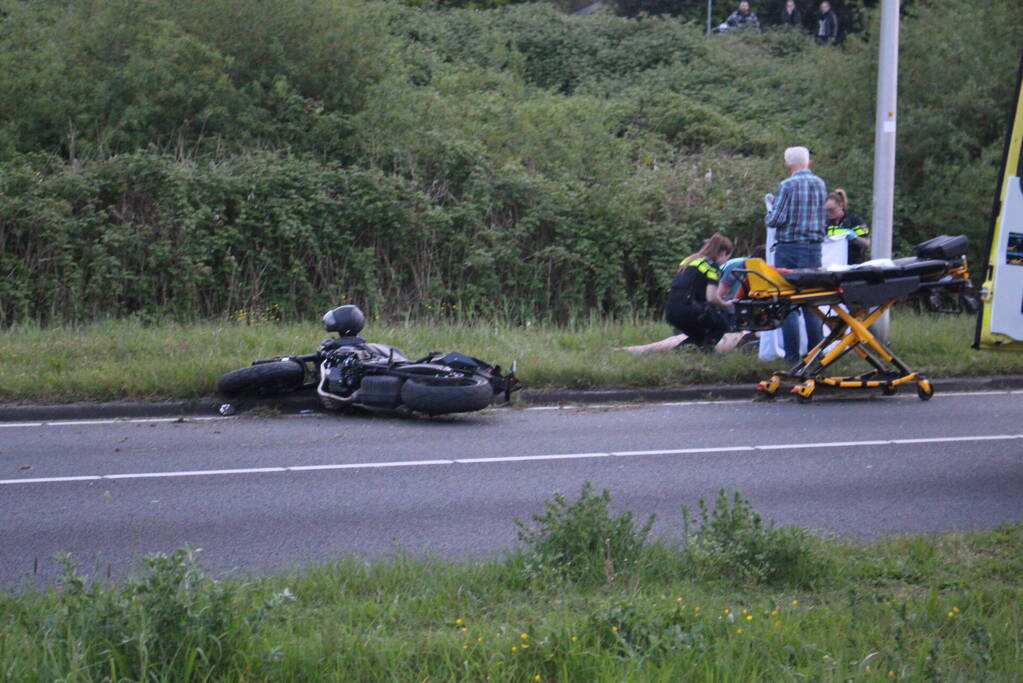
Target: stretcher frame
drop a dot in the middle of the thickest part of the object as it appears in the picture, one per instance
(848, 307)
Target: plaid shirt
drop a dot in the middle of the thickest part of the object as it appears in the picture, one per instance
(798, 211)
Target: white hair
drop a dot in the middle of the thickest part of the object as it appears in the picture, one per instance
(797, 155)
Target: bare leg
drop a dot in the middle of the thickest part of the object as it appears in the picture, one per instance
(728, 342)
(663, 345)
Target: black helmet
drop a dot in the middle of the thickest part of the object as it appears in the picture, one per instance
(345, 320)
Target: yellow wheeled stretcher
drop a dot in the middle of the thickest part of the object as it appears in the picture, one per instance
(848, 302)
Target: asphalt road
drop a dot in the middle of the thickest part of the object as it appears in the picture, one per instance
(274, 493)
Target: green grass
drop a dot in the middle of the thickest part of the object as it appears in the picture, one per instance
(904, 608)
(130, 360)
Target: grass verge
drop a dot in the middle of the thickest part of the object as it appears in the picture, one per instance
(129, 360)
(905, 608)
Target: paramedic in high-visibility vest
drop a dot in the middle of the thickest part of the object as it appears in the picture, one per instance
(797, 213)
(694, 305)
(844, 223)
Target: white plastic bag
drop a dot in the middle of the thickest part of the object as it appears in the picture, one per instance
(834, 251)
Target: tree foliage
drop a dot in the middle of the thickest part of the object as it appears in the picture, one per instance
(193, 157)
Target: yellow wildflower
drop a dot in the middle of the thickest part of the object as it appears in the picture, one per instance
(795, 602)
(524, 636)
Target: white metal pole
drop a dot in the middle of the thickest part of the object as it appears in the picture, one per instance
(884, 142)
(710, 9)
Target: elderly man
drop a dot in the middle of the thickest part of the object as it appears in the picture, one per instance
(800, 220)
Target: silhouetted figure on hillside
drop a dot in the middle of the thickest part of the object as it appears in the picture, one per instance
(827, 24)
(743, 18)
(790, 15)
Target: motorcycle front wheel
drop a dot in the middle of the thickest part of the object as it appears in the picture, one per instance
(440, 395)
(263, 379)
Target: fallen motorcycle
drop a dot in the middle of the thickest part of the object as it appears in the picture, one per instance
(348, 371)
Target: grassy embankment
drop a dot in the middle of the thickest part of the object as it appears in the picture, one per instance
(741, 601)
(126, 360)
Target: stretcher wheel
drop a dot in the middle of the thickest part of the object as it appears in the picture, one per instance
(768, 389)
(924, 390)
(889, 390)
(804, 392)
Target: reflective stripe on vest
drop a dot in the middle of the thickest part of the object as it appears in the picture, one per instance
(705, 267)
(858, 230)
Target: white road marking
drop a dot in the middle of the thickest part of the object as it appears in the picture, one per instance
(696, 403)
(686, 451)
(514, 458)
(823, 444)
(521, 458)
(193, 473)
(368, 465)
(947, 439)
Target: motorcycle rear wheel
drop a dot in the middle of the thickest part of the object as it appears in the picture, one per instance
(440, 395)
(263, 379)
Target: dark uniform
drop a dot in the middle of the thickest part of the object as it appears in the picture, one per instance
(851, 223)
(687, 309)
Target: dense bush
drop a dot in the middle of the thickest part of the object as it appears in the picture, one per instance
(190, 158)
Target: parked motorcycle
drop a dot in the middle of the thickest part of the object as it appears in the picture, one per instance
(348, 371)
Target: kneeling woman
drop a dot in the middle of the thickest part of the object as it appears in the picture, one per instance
(694, 305)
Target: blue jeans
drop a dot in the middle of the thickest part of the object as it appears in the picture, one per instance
(799, 255)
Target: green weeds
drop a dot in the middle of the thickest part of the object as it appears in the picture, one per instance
(731, 540)
(582, 540)
(904, 608)
(170, 621)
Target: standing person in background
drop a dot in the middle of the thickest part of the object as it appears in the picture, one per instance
(791, 16)
(743, 18)
(843, 222)
(827, 24)
(797, 213)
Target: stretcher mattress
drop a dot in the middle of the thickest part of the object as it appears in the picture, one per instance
(923, 269)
